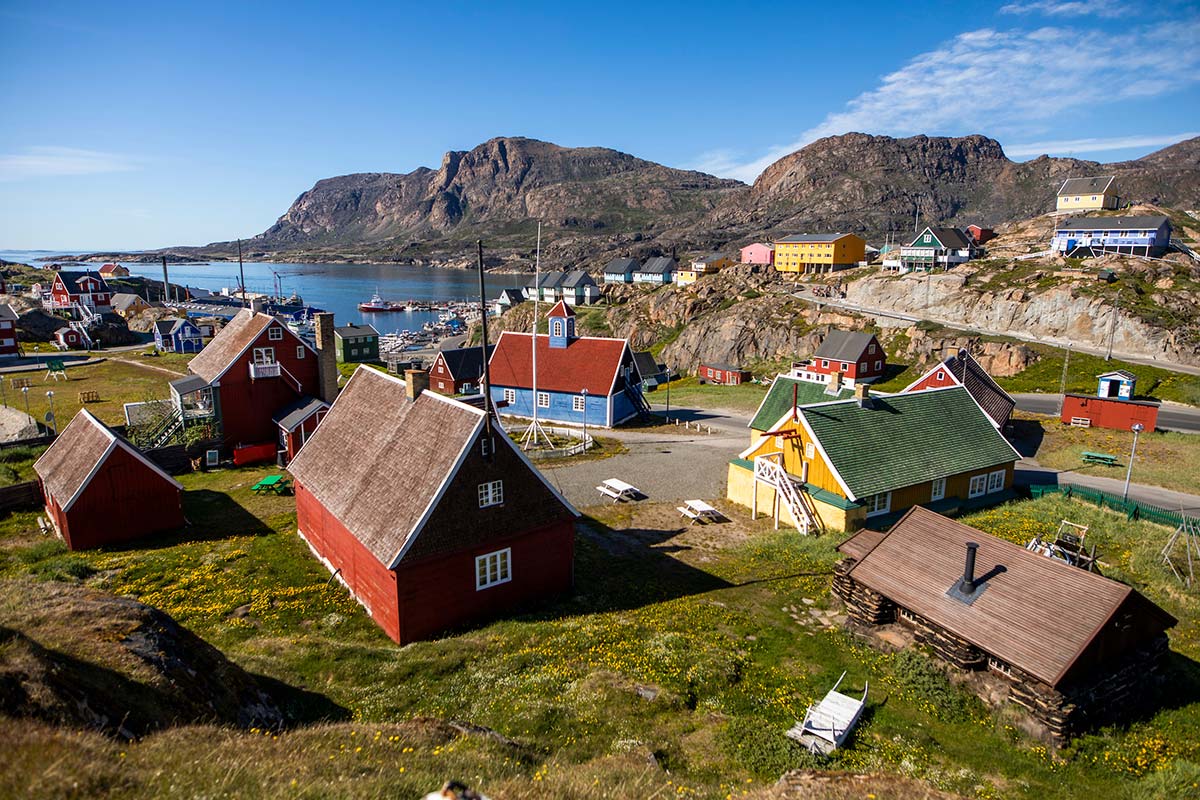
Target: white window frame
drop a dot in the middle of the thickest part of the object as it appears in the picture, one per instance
(510, 395)
(578, 403)
(556, 328)
(995, 481)
(937, 489)
(300, 351)
(824, 364)
(493, 569)
(543, 399)
(875, 507)
(871, 349)
(809, 451)
(978, 486)
(275, 333)
(485, 446)
(264, 355)
(491, 494)
(941, 376)
(878, 365)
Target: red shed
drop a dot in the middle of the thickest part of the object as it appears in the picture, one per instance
(426, 511)
(1105, 412)
(980, 234)
(100, 489)
(723, 374)
(298, 422)
(250, 370)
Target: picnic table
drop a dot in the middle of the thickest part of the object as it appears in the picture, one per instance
(1100, 458)
(699, 511)
(618, 490)
(272, 483)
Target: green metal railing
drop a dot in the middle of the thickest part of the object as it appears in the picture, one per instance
(1132, 509)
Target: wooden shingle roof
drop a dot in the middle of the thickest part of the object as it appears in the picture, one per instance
(69, 465)
(1037, 614)
(229, 344)
(905, 439)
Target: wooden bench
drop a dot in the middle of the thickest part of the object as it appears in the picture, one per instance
(89, 396)
(22, 383)
(1100, 458)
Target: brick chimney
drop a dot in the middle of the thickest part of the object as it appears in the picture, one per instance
(835, 382)
(415, 382)
(327, 371)
(862, 394)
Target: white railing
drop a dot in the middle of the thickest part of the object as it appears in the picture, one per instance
(264, 371)
(770, 471)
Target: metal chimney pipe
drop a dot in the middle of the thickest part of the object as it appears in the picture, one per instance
(968, 578)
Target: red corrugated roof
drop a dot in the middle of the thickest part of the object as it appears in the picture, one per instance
(586, 362)
(561, 309)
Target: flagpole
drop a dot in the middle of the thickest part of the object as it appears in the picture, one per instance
(530, 439)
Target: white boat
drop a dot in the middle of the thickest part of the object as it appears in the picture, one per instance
(827, 724)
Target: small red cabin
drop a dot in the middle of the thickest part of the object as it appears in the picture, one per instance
(100, 489)
(298, 422)
(980, 234)
(426, 511)
(722, 374)
(1104, 412)
(8, 331)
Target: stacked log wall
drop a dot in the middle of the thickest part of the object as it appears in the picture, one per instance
(862, 604)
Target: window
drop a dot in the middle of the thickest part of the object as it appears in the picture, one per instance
(300, 351)
(274, 333)
(995, 481)
(442, 385)
(557, 327)
(878, 365)
(491, 493)
(878, 504)
(871, 349)
(510, 395)
(486, 446)
(863, 366)
(941, 376)
(978, 486)
(543, 399)
(578, 403)
(824, 364)
(938, 490)
(264, 355)
(493, 569)
(809, 450)
(353, 351)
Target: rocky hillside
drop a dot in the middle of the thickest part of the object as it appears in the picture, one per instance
(81, 658)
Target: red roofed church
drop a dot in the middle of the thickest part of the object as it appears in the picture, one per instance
(426, 510)
(580, 379)
(100, 489)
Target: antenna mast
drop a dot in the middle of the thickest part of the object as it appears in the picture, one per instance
(487, 382)
(241, 272)
(534, 431)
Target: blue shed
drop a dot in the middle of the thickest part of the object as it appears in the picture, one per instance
(1118, 384)
(177, 336)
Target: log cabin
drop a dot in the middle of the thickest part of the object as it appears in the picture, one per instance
(429, 515)
(1072, 648)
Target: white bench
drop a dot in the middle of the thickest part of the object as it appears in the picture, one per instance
(618, 490)
(698, 511)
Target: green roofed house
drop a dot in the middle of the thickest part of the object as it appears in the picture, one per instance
(356, 343)
(840, 463)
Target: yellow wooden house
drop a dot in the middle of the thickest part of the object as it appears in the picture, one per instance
(840, 464)
(703, 265)
(1088, 194)
(819, 252)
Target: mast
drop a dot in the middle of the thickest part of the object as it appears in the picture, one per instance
(487, 383)
(241, 273)
(530, 439)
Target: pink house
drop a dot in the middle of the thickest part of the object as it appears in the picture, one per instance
(758, 253)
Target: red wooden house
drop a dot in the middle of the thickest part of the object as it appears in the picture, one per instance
(722, 374)
(251, 370)
(963, 370)
(68, 338)
(8, 331)
(980, 234)
(426, 510)
(100, 489)
(298, 422)
(72, 291)
(457, 371)
(858, 357)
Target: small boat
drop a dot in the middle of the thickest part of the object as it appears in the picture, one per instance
(376, 303)
(827, 724)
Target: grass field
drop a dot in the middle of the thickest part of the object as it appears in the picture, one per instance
(1153, 382)
(690, 393)
(691, 645)
(1163, 459)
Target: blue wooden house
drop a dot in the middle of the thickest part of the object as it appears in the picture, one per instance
(177, 336)
(579, 378)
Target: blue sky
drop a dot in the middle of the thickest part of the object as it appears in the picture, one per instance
(137, 125)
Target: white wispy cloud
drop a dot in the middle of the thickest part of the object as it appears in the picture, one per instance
(1067, 8)
(1004, 83)
(1065, 146)
(44, 162)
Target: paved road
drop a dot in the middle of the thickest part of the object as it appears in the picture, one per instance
(1096, 351)
(1171, 417)
(1030, 472)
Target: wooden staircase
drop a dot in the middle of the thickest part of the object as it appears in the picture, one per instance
(768, 469)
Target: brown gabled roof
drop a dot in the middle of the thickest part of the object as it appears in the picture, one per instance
(228, 345)
(69, 465)
(994, 401)
(1038, 614)
(378, 460)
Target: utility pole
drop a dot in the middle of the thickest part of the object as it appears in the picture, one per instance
(1062, 384)
(1137, 428)
(487, 383)
(1112, 325)
(241, 273)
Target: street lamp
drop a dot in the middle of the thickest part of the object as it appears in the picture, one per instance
(25, 391)
(1137, 428)
(668, 394)
(585, 395)
(53, 419)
